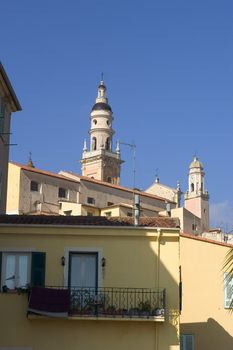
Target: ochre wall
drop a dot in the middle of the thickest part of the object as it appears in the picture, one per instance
(134, 258)
(203, 313)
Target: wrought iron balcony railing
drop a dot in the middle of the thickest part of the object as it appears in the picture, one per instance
(97, 302)
(117, 302)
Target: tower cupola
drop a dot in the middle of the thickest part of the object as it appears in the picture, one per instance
(197, 198)
(101, 162)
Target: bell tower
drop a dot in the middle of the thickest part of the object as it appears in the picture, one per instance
(100, 162)
(196, 199)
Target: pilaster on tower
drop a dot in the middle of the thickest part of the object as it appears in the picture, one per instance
(100, 162)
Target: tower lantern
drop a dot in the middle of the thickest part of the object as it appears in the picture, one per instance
(100, 162)
(197, 198)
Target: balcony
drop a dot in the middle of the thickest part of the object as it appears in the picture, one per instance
(101, 303)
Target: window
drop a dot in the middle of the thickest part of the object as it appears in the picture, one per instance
(22, 268)
(94, 143)
(83, 270)
(34, 186)
(90, 200)
(192, 187)
(186, 342)
(109, 179)
(129, 214)
(16, 271)
(109, 203)
(107, 144)
(89, 213)
(2, 116)
(67, 212)
(228, 290)
(94, 121)
(62, 192)
(108, 213)
(194, 227)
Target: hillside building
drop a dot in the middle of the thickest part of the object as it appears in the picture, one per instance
(8, 104)
(90, 290)
(98, 191)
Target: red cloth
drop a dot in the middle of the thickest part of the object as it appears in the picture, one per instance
(49, 301)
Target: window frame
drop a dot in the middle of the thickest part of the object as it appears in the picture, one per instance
(183, 342)
(83, 250)
(60, 189)
(16, 268)
(2, 115)
(32, 183)
(228, 280)
(36, 266)
(91, 200)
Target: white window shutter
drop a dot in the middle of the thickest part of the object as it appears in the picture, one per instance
(228, 290)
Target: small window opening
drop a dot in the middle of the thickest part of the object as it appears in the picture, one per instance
(94, 144)
(192, 187)
(194, 227)
(107, 144)
(62, 192)
(90, 200)
(34, 186)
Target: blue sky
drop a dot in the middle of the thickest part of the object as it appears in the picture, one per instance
(168, 67)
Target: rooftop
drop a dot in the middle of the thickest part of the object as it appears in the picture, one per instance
(163, 222)
(9, 87)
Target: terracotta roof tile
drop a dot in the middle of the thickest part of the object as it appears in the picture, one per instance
(204, 239)
(86, 221)
(43, 172)
(119, 187)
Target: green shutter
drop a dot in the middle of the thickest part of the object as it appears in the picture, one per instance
(228, 290)
(38, 269)
(2, 116)
(1, 269)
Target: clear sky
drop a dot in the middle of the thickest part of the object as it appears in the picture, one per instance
(168, 68)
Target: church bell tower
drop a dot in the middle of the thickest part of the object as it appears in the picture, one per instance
(196, 199)
(100, 162)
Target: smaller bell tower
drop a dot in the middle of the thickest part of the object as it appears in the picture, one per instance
(100, 162)
(196, 199)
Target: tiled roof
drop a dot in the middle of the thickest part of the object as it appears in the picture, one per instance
(85, 178)
(107, 184)
(164, 222)
(203, 239)
(10, 88)
(43, 172)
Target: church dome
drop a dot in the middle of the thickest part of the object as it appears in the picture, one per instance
(196, 164)
(101, 106)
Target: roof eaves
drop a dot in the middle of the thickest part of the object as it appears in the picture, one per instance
(10, 88)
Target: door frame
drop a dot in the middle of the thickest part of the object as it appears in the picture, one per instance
(84, 250)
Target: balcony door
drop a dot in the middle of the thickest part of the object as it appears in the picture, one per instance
(83, 270)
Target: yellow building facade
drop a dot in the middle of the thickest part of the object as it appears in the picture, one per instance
(8, 104)
(122, 283)
(206, 320)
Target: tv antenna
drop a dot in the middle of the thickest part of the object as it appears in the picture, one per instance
(132, 146)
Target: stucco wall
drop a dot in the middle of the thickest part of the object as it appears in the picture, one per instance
(134, 258)
(203, 313)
